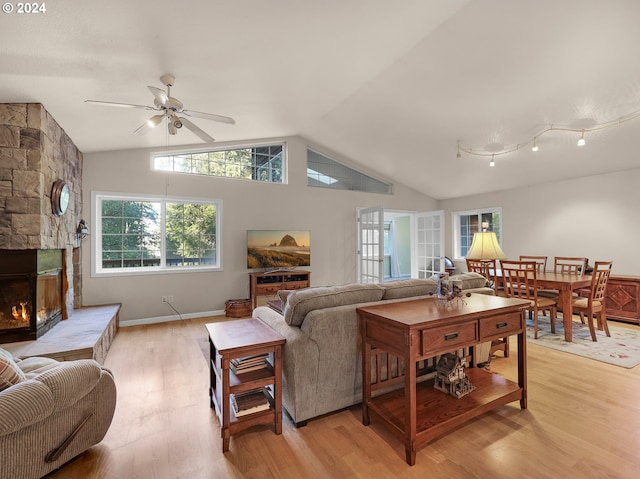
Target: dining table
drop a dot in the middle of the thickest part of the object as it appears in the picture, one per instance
(565, 284)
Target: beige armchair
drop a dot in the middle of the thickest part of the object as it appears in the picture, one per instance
(50, 412)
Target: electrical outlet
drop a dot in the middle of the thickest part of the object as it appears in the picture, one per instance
(167, 299)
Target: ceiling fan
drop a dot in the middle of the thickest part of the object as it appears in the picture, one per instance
(170, 109)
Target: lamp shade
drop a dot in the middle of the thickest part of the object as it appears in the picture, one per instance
(485, 246)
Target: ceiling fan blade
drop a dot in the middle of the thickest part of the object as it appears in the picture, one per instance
(120, 105)
(209, 116)
(202, 134)
(160, 95)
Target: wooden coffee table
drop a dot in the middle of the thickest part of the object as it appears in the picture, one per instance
(237, 339)
(418, 330)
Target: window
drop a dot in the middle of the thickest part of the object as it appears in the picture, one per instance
(259, 163)
(324, 172)
(135, 234)
(466, 223)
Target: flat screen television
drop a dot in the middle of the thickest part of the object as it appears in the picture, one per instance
(278, 249)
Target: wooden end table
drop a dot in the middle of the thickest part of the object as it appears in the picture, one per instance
(237, 339)
(417, 330)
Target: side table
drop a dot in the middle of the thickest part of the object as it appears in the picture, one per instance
(238, 339)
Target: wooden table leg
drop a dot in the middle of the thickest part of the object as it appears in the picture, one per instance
(567, 312)
(410, 407)
(366, 382)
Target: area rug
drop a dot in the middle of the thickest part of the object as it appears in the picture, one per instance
(621, 349)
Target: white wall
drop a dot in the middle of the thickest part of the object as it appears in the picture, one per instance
(595, 216)
(328, 214)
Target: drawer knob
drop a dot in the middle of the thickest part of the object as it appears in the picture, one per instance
(450, 336)
(501, 325)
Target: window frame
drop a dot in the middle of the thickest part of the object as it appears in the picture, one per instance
(97, 197)
(349, 179)
(455, 221)
(283, 157)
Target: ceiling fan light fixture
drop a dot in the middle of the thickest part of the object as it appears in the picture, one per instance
(155, 120)
(170, 107)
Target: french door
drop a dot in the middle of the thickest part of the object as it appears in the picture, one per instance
(370, 245)
(428, 259)
(427, 244)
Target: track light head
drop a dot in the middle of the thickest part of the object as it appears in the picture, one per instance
(581, 141)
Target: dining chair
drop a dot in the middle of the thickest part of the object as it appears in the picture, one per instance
(570, 265)
(541, 262)
(486, 268)
(565, 265)
(520, 282)
(595, 303)
(541, 267)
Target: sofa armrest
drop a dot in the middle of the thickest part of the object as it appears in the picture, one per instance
(300, 362)
(71, 380)
(24, 404)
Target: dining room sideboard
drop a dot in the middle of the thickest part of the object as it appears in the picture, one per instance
(623, 298)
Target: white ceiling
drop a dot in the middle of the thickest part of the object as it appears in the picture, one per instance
(393, 86)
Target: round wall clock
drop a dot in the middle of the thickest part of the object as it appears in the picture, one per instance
(60, 196)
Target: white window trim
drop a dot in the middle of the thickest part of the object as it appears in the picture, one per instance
(96, 237)
(455, 222)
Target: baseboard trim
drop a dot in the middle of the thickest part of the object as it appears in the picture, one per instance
(166, 319)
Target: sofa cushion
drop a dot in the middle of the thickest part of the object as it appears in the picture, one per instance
(300, 302)
(406, 288)
(471, 280)
(10, 373)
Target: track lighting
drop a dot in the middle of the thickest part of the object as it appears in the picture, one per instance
(581, 142)
(155, 120)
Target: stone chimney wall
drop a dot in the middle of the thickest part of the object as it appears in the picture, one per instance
(35, 152)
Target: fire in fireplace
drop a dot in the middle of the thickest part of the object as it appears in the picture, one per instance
(31, 290)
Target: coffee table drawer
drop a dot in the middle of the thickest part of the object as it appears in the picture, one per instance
(448, 338)
(500, 326)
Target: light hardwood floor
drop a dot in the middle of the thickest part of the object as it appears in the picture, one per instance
(583, 421)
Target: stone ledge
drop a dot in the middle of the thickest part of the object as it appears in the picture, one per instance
(88, 334)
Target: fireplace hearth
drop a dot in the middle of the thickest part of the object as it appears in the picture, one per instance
(31, 293)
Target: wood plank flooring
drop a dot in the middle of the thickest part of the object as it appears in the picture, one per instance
(583, 421)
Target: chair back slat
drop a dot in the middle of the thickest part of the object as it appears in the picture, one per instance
(599, 280)
(570, 265)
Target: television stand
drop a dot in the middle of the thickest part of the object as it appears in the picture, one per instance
(268, 284)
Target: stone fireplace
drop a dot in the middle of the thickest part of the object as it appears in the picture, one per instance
(35, 152)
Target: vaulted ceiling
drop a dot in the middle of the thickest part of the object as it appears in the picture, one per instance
(393, 86)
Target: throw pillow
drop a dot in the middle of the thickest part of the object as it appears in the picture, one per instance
(472, 280)
(10, 373)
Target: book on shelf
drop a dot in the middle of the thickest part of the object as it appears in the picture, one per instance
(249, 402)
(249, 363)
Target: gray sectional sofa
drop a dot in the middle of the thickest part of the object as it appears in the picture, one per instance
(322, 355)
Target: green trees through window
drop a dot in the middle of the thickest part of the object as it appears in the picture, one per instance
(146, 234)
(259, 163)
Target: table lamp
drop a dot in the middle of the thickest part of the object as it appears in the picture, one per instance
(485, 247)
